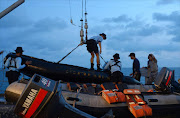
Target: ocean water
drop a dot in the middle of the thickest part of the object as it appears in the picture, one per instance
(126, 72)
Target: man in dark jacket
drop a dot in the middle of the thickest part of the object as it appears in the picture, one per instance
(136, 67)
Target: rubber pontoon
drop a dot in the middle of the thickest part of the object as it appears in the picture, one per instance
(67, 73)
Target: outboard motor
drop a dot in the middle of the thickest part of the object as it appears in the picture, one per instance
(41, 97)
(36, 94)
(163, 80)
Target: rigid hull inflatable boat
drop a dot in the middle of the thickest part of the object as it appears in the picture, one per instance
(44, 96)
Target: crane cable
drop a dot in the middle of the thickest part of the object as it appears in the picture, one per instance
(82, 31)
(70, 13)
(86, 26)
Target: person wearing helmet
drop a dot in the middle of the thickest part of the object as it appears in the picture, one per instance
(115, 68)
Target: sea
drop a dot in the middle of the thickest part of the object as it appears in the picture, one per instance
(126, 71)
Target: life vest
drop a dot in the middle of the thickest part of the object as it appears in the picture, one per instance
(11, 63)
(112, 95)
(137, 106)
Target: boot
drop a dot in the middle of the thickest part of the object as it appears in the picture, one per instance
(92, 66)
(98, 67)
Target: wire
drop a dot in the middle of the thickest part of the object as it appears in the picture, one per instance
(70, 8)
(71, 13)
(67, 54)
(85, 6)
(82, 9)
(102, 58)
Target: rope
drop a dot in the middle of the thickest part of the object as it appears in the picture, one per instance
(82, 9)
(103, 59)
(67, 54)
(70, 8)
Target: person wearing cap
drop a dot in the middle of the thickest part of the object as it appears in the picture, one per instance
(153, 69)
(14, 65)
(115, 67)
(93, 48)
(136, 67)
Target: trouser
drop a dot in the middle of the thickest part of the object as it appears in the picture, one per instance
(138, 76)
(117, 76)
(12, 76)
(92, 46)
(152, 77)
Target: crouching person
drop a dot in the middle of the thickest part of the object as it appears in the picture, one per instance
(115, 67)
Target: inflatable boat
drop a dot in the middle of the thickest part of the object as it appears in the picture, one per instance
(65, 72)
(42, 97)
(65, 95)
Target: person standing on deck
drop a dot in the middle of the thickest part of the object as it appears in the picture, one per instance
(93, 49)
(136, 67)
(153, 68)
(14, 65)
(115, 66)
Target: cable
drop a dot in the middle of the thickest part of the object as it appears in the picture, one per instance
(102, 58)
(67, 54)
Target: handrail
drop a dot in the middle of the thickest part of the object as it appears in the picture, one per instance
(10, 8)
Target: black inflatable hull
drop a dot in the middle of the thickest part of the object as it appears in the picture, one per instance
(67, 73)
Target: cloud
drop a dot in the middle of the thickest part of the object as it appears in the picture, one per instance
(139, 35)
(122, 18)
(148, 30)
(173, 18)
(48, 24)
(165, 2)
(13, 20)
(40, 39)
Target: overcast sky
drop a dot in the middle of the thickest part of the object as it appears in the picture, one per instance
(43, 29)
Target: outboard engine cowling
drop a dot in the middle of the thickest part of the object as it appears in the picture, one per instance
(35, 96)
(163, 79)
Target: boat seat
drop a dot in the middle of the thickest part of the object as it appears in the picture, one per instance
(87, 88)
(108, 86)
(121, 87)
(73, 86)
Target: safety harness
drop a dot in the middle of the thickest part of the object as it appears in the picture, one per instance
(116, 64)
(10, 63)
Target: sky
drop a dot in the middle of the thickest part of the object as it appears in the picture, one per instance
(44, 30)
